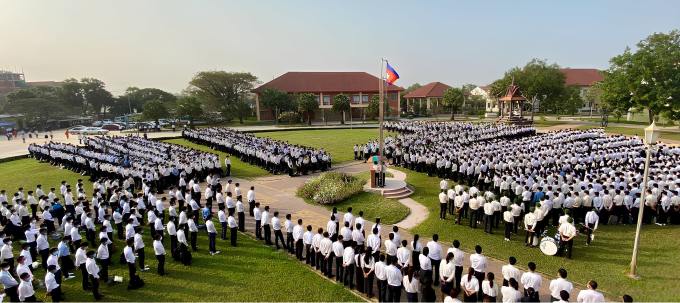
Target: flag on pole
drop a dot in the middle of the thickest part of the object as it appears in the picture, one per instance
(392, 75)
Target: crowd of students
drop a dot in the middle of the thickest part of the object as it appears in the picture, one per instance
(273, 155)
(85, 231)
(121, 157)
(564, 171)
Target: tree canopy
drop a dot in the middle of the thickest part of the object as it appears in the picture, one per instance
(646, 79)
(154, 110)
(278, 101)
(188, 107)
(222, 90)
(36, 104)
(307, 104)
(453, 99)
(341, 105)
(539, 82)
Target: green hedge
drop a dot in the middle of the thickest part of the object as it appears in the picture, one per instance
(331, 187)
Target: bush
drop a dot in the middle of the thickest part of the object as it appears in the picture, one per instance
(290, 117)
(332, 187)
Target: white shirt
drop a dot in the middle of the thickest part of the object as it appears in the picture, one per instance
(510, 295)
(435, 250)
(92, 268)
(25, 290)
(510, 271)
(488, 290)
(558, 285)
(478, 262)
(589, 295)
(50, 281)
(394, 276)
(531, 279)
(411, 286)
(158, 248)
(425, 263)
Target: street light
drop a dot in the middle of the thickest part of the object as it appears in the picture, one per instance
(651, 136)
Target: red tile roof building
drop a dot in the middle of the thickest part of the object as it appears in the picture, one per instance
(358, 86)
(581, 76)
(431, 93)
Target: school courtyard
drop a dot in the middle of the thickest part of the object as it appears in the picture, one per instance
(256, 272)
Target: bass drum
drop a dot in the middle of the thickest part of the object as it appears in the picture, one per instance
(548, 246)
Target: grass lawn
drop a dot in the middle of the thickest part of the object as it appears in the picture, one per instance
(606, 261)
(236, 274)
(640, 132)
(30, 172)
(373, 205)
(338, 142)
(239, 169)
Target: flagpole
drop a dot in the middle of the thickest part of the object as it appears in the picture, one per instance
(381, 89)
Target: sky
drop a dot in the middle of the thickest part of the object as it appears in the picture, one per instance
(163, 43)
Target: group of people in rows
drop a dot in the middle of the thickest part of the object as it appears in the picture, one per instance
(157, 163)
(275, 156)
(361, 258)
(114, 210)
(565, 171)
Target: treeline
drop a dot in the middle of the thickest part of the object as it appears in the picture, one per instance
(212, 96)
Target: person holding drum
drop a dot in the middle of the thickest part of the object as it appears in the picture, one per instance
(567, 233)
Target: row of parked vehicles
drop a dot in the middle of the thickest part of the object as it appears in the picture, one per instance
(103, 127)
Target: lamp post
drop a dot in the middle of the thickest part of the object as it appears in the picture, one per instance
(651, 136)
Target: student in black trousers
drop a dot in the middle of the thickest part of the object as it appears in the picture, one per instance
(233, 230)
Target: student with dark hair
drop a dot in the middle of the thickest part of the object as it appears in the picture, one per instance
(93, 274)
(489, 288)
(560, 284)
(470, 286)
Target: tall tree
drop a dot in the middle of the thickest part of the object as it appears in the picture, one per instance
(453, 99)
(72, 95)
(188, 107)
(243, 108)
(592, 98)
(36, 104)
(373, 108)
(95, 94)
(341, 105)
(154, 110)
(134, 99)
(222, 90)
(647, 79)
(278, 101)
(540, 82)
(307, 104)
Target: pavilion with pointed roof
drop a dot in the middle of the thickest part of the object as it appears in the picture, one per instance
(511, 105)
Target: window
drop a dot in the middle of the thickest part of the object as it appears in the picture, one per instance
(364, 99)
(326, 100)
(356, 99)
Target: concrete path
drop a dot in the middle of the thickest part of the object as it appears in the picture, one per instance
(417, 212)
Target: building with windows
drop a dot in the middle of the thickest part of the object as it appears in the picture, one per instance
(584, 79)
(360, 87)
(429, 95)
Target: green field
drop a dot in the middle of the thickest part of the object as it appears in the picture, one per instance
(629, 131)
(29, 173)
(236, 274)
(238, 168)
(338, 142)
(606, 261)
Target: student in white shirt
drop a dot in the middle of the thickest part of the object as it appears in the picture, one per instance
(233, 228)
(531, 279)
(560, 284)
(478, 263)
(93, 274)
(212, 236)
(53, 288)
(509, 271)
(159, 251)
(348, 263)
(591, 294)
(435, 255)
(470, 286)
(411, 285)
(489, 288)
(511, 293)
(394, 282)
(447, 272)
(25, 290)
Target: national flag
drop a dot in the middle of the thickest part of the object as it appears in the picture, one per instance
(392, 75)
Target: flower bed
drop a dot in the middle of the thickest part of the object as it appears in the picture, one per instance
(332, 187)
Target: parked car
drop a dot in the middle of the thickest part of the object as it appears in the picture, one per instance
(94, 131)
(78, 129)
(112, 127)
